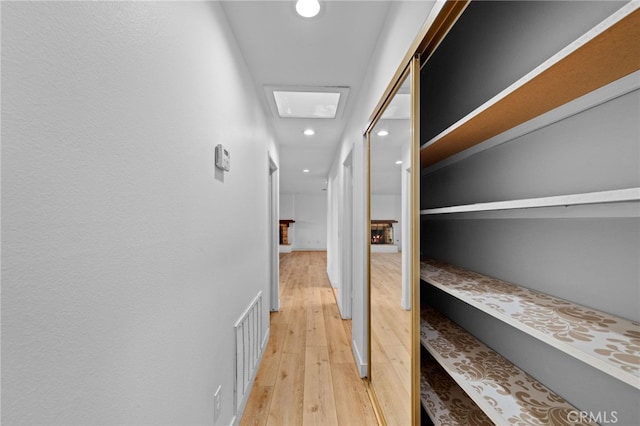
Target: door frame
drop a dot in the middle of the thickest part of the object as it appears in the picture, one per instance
(274, 234)
(345, 294)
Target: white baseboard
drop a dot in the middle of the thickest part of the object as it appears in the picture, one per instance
(384, 248)
(264, 342)
(363, 368)
(334, 283)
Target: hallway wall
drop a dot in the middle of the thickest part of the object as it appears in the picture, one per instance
(309, 232)
(125, 260)
(403, 23)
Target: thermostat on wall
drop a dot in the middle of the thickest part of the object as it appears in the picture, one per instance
(223, 159)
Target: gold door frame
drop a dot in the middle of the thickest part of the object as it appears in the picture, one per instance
(431, 35)
(412, 69)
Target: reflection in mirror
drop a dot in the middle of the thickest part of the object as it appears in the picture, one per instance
(390, 291)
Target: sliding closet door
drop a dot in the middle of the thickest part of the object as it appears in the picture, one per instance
(393, 277)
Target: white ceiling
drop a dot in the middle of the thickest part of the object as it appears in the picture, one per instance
(284, 49)
(386, 150)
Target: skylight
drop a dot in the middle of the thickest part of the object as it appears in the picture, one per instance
(293, 104)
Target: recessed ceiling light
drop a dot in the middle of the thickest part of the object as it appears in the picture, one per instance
(309, 132)
(305, 171)
(398, 162)
(383, 133)
(308, 8)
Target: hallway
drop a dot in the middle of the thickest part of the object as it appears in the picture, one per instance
(129, 255)
(308, 375)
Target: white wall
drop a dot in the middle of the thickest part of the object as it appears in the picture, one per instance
(403, 24)
(388, 207)
(385, 207)
(287, 208)
(309, 232)
(311, 222)
(287, 212)
(124, 253)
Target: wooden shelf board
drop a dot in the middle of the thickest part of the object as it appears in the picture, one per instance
(605, 342)
(445, 402)
(601, 197)
(605, 54)
(506, 394)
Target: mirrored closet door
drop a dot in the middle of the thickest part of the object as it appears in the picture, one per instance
(392, 231)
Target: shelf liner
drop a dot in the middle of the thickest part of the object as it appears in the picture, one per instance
(446, 402)
(508, 395)
(603, 341)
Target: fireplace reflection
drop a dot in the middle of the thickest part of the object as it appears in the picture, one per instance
(382, 231)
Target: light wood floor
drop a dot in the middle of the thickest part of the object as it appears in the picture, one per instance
(308, 375)
(390, 339)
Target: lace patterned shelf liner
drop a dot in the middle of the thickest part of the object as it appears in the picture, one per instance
(603, 341)
(445, 402)
(507, 395)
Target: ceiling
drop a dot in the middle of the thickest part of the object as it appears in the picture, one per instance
(385, 151)
(283, 49)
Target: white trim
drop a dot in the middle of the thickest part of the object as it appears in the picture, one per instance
(265, 340)
(384, 248)
(601, 197)
(599, 96)
(274, 234)
(345, 244)
(620, 210)
(248, 309)
(342, 102)
(363, 368)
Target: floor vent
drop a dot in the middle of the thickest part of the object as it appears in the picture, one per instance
(249, 330)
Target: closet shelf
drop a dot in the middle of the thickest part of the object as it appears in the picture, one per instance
(606, 53)
(605, 342)
(445, 402)
(601, 197)
(505, 393)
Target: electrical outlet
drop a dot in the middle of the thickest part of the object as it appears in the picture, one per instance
(217, 403)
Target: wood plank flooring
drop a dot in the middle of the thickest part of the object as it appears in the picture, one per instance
(390, 339)
(308, 375)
